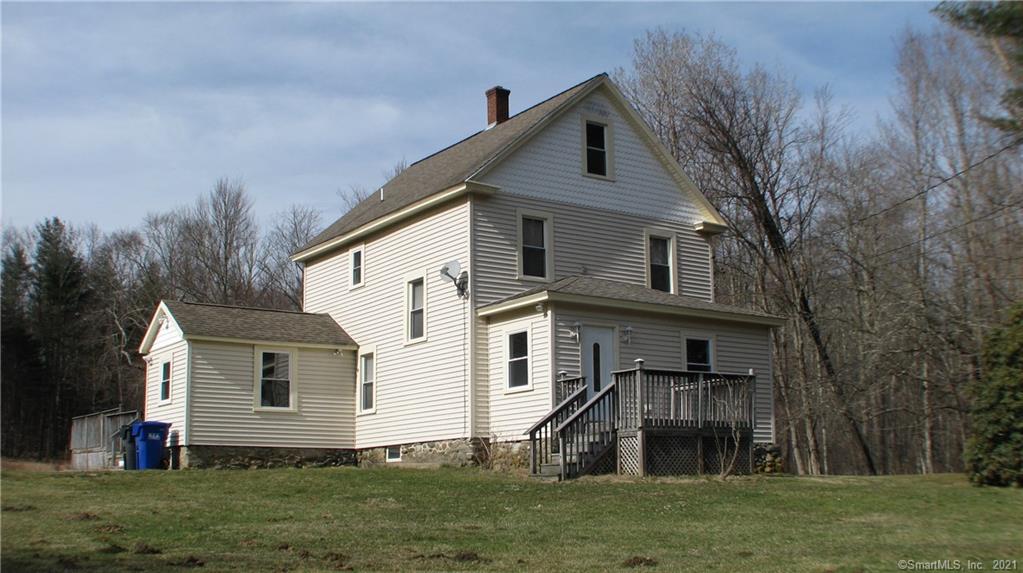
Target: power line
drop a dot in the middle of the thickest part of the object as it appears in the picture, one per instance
(942, 181)
(952, 228)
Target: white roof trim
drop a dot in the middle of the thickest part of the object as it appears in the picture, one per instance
(399, 215)
(548, 296)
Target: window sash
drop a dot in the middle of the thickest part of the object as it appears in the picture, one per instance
(518, 359)
(534, 247)
(165, 380)
(356, 268)
(275, 380)
(659, 255)
(367, 374)
(694, 348)
(596, 148)
(416, 302)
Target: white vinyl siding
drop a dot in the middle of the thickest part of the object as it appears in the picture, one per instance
(598, 243)
(423, 389)
(514, 409)
(173, 349)
(222, 411)
(550, 167)
(658, 341)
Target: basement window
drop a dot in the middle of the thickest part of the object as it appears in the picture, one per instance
(394, 453)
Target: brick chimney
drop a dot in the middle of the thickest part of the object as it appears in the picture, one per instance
(497, 105)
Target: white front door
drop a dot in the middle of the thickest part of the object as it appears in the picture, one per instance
(598, 356)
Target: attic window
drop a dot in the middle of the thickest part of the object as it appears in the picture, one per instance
(597, 149)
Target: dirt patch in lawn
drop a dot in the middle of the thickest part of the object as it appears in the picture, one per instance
(83, 516)
(637, 561)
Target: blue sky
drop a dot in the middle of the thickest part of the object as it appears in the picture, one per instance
(114, 110)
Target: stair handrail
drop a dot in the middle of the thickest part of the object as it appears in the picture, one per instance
(576, 434)
(542, 440)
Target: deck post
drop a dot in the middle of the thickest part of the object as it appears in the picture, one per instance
(699, 400)
(641, 412)
(752, 382)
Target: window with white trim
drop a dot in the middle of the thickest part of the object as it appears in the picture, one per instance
(536, 253)
(416, 297)
(596, 149)
(367, 378)
(165, 381)
(659, 261)
(518, 359)
(394, 453)
(275, 379)
(355, 260)
(698, 355)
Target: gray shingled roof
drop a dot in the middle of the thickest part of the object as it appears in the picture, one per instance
(447, 167)
(614, 290)
(248, 323)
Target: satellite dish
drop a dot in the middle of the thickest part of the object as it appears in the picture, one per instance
(450, 270)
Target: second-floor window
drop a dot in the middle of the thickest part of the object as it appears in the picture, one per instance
(356, 266)
(416, 309)
(659, 260)
(165, 381)
(536, 252)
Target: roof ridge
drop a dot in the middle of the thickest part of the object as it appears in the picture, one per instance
(538, 104)
(243, 307)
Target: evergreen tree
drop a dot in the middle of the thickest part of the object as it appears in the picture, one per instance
(1001, 24)
(59, 303)
(19, 366)
(994, 455)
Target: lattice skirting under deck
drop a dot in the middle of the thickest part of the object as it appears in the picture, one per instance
(628, 455)
(672, 455)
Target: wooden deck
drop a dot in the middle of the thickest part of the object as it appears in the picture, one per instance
(646, 421)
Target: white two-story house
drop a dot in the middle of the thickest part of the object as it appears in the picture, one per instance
(544, 286)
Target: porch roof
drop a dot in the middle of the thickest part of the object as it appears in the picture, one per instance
(592, 291)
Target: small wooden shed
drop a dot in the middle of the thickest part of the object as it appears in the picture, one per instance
(95, 439)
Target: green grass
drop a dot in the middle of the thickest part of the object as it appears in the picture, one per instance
(449, 519)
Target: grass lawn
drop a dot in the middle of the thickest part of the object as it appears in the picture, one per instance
(451, 519)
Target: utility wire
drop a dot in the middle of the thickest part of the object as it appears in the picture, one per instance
(952, 228)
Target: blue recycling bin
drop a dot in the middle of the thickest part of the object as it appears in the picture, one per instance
(150, 438)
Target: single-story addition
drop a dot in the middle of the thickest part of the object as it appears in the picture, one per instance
(247, 385)
(540, 293)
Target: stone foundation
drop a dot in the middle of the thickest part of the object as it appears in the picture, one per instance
(459, 453)
(242, 457)
(505, 456)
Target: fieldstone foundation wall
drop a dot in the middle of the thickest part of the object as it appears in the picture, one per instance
(507, 456)
(242, 457)
(459, 452)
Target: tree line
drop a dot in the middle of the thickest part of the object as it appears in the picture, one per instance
(76, 303)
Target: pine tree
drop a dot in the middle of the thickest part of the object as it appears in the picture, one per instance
(994, 455)
(59, 301)
(19, 366)
(1001, 24)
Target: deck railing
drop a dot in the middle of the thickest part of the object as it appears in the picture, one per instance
(543, 440)
(681, 399)
(565, 386)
